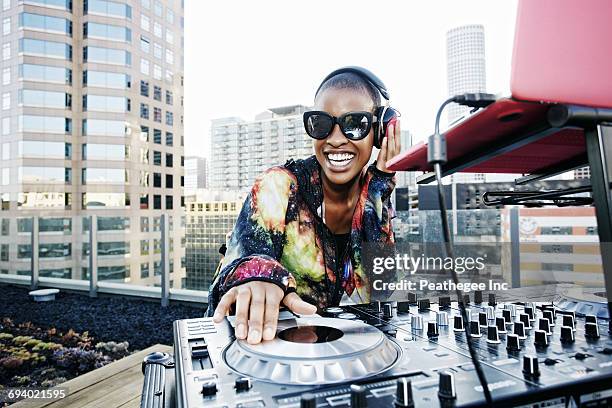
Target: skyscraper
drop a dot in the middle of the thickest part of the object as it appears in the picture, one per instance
(241, 150)
(92, 125)
(466, 67)
(196, 174)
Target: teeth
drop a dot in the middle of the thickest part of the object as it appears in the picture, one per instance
(340, 156)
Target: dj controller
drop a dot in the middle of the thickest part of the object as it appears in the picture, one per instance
(395, 354)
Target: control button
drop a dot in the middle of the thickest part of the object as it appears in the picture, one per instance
(358, 396)
(412, 298)
(590, 319)
(432, 329)
(567, 334)
(444, 302)
(466, 299)
(524, 318)
(347, 316)
(424, 305)
(530, 311)
(548, 314)
(492, 335)
(442, 319)
(446, 385)
(475, 329)
(403, 393)
(519, 330)
(391, 333)
(209, 389)
(568, 320)
(507, 315)
(591, 331)
(308, 400)
(544, 324)
(403, 307)
(478, 297)
(242, 384)
(376, 306)
(580, 356)
(512, 342)
(416, 322)
(490, 311)
(482, 319)
(530, 366)
(492, 301)
(550, 361)
(458, 323)
(500, 322)
(387, 310)
(541, 339)
(512, 308)
(332, 311)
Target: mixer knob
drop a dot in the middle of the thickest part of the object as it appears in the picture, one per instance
(442, 319)
(458, 323)
(403, 393)
(490, 311)
(492, 335)
(530, 366)
(492, 301)
(209, 389)
(541, 339)
(475, 329)
(501, 324)
(403, 307)
(519, 330)
(544, 324)
(358, 396)
(417, 322)
(478, 297)
(444, 302)
(466, 299)
(548, 314)
(242, 384)
(511, 308)
(591, 331)
(308, 400)
(332, 311)
(432, 329)
(567, 334)
(412, 298)
(530, 311)
(468, 313)
(424, 305)
(590, 319)
(568, 320)
(446, 386)
(387, 310)
(376, 306)
(512, 343)
(507, 314)
(482, 319)
(524, 318)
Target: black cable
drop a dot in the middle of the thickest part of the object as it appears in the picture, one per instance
(436, 155)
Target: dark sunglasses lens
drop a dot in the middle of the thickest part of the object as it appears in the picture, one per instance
(356, 126)
(318, 126)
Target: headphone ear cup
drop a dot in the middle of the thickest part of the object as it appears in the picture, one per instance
(378, 128)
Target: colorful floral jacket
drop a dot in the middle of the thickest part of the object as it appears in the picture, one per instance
(279, 236)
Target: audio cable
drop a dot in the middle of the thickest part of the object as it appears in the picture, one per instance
(436, 156)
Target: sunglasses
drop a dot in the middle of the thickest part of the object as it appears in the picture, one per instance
(354, 125)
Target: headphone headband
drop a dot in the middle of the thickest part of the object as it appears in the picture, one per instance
(363, 73)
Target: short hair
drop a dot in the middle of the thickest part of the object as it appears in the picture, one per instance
(350, 80)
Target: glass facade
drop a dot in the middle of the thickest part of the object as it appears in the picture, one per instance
(61, 4)
(45, 48)
(43, 175)
(60, 250)
(45, 23)
(107, 8)
(105, 103)
(104, 176)
(55, 225)
(106, 79)
(39, 148)
(93, 200)
(107, 56)
(44, 124)
(45, 73)
(104, 152)
(107, 32)
(113, 248)
(45, 99)
(103, 127)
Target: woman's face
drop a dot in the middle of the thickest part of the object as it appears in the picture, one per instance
(340, 158)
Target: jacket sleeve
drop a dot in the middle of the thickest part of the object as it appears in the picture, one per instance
(256, 244)
(378, 210)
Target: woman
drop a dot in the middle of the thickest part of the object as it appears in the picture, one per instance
(297, 240)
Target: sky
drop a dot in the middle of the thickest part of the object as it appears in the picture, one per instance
(243, 57)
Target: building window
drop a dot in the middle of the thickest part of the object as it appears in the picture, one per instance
(169, 36)
(6, 101)
(157, 51)
(158, 9)
(144, 270)
(169, 98)
(144, 201)
(157, 115)
(157, 29)
(157, 136)
(6, 51)
(157, 202)
(144, 111)
(169, 139)
(144, 247)
(168, 159)
(169, 118)
(6, 26)
(156, 158)
(169, 181)
(157, 180)
(145, 44)
(144, 134)
(157, 72)
(168, 202)
(145, 23)
(144, 224)
(144, 88)
(157, 93)
(145, 67)
(169, 56)
(6, 76)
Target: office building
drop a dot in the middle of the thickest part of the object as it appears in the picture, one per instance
(241, 150)
(92, 125)
(196, 174)
(211, 215)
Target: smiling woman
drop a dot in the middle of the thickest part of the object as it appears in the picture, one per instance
(299, 235)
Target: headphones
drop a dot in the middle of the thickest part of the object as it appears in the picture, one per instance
(383, 114)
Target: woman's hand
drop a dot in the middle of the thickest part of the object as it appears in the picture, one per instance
(391, 146)
(257, 308)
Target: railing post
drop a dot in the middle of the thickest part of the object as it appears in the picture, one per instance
(515, 247)
(165, 273)
(34, 255)
(93, 256)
